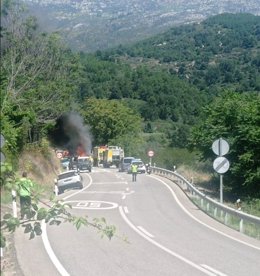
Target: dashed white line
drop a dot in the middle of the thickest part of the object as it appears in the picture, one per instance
(126, 210)
(161, 246)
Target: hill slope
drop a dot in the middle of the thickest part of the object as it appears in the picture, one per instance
(222, 51)
(92, 25)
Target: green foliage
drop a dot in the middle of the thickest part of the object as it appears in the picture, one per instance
(236, 118)
(54, 213)
(110, 121)
(170, 157)
(34, 69)
(104, 229)
(2, 240)
(7, 175)
(197, 52)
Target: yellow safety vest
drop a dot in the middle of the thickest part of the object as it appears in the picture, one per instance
(134, 168)
(25, 186)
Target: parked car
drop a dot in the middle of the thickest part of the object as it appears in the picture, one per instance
(125, 164)
(68, 180)
(140, 166)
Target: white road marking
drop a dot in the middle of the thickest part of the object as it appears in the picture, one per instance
(218, 273)
(146, 232)
(109, 183)
(92, 204)
(123, 193)
(50, 252)
(103, 192)
(82, 204)
(188, 213)
(127, 193)
(126, 210)
(46, 242)
(161, 246)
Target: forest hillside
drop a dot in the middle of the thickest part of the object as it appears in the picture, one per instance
(174, 93)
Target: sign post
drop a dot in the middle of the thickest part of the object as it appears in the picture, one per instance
(221, 165)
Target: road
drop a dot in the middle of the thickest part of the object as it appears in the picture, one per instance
(158, 232)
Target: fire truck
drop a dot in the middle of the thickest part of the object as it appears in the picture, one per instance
(112, 156)
(98, 155)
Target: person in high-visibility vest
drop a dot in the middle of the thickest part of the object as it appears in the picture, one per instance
(134, 172)
(25, 186)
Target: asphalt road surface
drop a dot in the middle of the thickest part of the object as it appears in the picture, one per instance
(158, 232)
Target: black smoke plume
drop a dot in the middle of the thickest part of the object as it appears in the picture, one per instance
(70, 133)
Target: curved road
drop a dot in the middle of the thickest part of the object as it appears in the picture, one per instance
(158, 232)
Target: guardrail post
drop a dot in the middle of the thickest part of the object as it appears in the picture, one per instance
(220, 211)
(241, 226)
(215, 212)
(226, 218)
(201, 202)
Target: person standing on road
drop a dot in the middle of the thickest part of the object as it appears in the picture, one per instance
(134, 172)
(24, 190)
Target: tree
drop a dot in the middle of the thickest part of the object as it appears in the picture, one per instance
(235, 117)
(111, 121)
(34, 73)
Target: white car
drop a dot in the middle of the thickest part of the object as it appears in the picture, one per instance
(140, 166)
(67, 180)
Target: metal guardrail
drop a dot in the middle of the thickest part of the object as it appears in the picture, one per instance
(238, 220)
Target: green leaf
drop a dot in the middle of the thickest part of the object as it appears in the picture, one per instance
(27, 228)
(7, 216)
(32, 235)
(2, 240)
(35, 207)
(42, 214)
(37, 229)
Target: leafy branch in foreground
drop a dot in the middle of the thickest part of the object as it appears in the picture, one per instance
(54, 215)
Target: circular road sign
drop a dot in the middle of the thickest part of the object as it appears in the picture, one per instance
(221, 165)
(220, 147)
(150, 153)
(59, 155)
